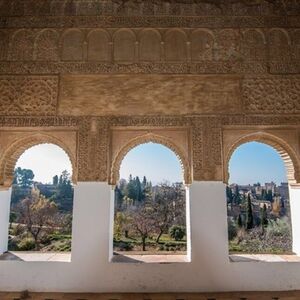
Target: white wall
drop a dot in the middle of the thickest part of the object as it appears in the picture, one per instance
(294, 192)
(91, 271)
(5, 196)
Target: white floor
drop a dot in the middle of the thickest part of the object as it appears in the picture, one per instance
(36, 256)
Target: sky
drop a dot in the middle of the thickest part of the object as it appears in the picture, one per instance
(155, 161)
(256, 162)
(250, 163)
(46, 161)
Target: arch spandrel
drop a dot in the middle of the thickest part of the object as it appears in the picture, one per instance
(282, 142)
(144, 139)
(12, 153)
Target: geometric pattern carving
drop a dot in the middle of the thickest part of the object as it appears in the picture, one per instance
(21, 47)
(271, 95)
(28, 95)
(228, 45)
(46, 46)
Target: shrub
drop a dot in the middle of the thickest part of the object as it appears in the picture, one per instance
(279, 227)
(177, 232)
(232, 230)
(26, 244)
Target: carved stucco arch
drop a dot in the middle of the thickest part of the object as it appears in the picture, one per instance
(148, 138)
(283, 31)
(287, 153)
(145, 31)
(11, 155)
(258, 31)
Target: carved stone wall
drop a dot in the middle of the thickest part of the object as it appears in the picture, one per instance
(28, 95)
(123, 140)
(222, 72)
(14, 143)
(200, 49)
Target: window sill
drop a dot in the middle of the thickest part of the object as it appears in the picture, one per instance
(32, 256)
(263, 258)
(149, 259)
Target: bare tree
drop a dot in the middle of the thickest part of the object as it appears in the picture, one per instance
(38, 214)
(143, 223)
(168, 207)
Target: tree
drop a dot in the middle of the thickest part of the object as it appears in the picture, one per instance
(138, 188)
(55, 180)
(240, 221)
(168, 207)
(177, 232)
(64, 192)
(23, 177)
(249, 223)
(38, 215)
(131, 188)
(229, 196)
(12, 218)
(142, 222)
(237, 196)
(269, 196)
(264, 217)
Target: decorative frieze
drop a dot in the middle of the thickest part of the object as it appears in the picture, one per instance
(147, 7)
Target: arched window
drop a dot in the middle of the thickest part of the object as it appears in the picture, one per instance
(41, 201)
(258, 202)
(150, 206)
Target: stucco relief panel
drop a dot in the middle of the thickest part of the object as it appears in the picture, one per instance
(28, 95)
(271, 95)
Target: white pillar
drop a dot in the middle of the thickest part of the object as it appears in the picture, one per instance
(294, 192)
(5, 196)
(209, 235)
(91, 221)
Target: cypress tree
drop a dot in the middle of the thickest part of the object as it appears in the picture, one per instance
(138, 188)
(249, 224)
(264, 217)
(240, 221)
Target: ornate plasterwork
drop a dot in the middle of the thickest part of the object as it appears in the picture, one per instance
(275, 95)
(128, 45)
(218, 65)
(154, 138)
(10, 155)
(205, 157)
(148, 7)
(93, 149)
(286, 147)
(28, 95)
